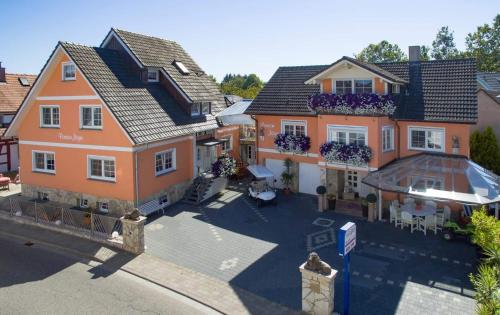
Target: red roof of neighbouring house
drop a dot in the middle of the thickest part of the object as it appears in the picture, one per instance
(12, 92)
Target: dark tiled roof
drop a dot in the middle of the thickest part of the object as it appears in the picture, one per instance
(12, 92)
(286, 93)
(439, 90)
(442, 90)
(161, 53)
(489, 80)
(146, 111)
(495, 95)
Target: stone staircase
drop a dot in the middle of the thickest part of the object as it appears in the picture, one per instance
(196, 193)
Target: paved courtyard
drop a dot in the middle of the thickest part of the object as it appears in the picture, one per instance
(260, 249)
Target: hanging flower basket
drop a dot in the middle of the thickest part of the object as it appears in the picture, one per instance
(334, 152)
(352, 104)
(291, 143)
(225, 166)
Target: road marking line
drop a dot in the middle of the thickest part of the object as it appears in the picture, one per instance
(433, 257)
(355, 273)
(378, 279)
(456, 262)
(390, 282)
(391, 248)
(363, 242)
(367, 276)
(372, 243)
(382, 245)
(255, 210)
(444, 259)
(423, 254)
(402, 285)
(468, 265)
(412, 252)
(401, 249)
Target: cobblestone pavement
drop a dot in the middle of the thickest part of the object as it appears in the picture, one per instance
(260, 249)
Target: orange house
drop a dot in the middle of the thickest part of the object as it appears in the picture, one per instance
(120, 126)
(379, 113)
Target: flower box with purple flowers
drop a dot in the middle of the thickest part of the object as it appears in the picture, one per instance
(352, 104)
(353, 154)
(291, 143)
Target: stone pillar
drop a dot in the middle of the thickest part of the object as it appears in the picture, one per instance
(317, 286)
(133, 235)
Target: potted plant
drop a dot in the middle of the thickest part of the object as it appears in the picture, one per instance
(364, 207)
(372, 200)
(287, 176)
(321, 191)
(332, 200)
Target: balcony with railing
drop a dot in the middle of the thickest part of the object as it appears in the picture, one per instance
(350, 154)
(297, 144)
(370, 104)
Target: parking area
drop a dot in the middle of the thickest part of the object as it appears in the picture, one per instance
(260, 250)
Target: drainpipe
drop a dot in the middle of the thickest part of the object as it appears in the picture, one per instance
(257, 135)
(136, 180)
(398, 149)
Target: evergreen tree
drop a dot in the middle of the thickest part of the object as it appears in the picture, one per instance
(443, 47)
(484, 45)
(484, 149)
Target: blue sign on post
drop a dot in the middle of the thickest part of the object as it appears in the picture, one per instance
(346, 242)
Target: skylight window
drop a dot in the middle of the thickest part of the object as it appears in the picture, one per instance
(182, 68)
(24, 81)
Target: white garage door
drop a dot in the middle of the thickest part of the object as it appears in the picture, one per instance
(277, 168)
(309, 178)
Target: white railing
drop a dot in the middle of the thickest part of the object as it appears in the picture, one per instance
(91, 224)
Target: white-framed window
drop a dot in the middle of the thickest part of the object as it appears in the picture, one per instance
(294, 127)
(103, 207)
(101, 168)
(227, 144)
(153, 75)
(427, 182)
(68, 71)
(165, 161)
(387, 138)
(427, 139)
(49, 116)
(348, 134)
(343, 87)
(363, 86)
(396, 89)
(205, 108)
(91, 116)
(84, 203)
(44, 161)
(195, 109)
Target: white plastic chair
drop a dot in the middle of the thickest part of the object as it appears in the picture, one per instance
(408, 219)
(409, 200)
(428, 223)
(395, 216)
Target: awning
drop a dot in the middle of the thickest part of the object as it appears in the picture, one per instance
(439, 177)
(235, 114)
(210, 142)
(260, 171)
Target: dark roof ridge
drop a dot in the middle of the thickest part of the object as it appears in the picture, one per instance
(143, 35)
(34, 75)
(426, 61)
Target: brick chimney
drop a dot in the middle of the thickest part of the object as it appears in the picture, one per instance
(414, 53)
(2, 73)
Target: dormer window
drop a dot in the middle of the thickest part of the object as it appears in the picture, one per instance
(195, 109)
(363, 86)
(395, 89)
(202, 108)
(153, 76)
(182, 68)
(343, 87)
(68, 71)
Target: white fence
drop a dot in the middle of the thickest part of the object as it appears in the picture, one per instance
(90, 224)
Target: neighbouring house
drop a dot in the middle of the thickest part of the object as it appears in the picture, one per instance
(128, 124)
(13, 89)
(488, 102)
(235, 115)
(339, 123)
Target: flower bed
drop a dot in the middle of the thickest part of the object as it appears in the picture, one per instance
(334, 152)
(225, 166)
(291, 143)
(352, 104)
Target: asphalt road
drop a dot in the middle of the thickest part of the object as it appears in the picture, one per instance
(36, 280)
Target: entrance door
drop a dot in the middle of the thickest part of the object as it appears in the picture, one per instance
(206, 157)
(352, 180)
(248, 153)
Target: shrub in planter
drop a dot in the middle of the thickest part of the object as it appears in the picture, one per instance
(372, 199)
(321, 190)
(292, 143)
(225, 166)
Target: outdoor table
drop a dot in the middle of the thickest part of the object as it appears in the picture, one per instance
(422, 212)
(4, 182)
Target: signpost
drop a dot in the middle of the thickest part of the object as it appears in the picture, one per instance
(346, 242)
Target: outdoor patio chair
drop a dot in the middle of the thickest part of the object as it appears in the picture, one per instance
(428, 223)
(409, 200)
(443, 216)
(395, 203)
(431, 203)
(408, 219)
(395, 216)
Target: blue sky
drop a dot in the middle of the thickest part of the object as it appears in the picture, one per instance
(235, 36)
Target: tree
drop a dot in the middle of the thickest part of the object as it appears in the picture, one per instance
(246, 86)
(484, 45)
(443, 47)
(381, 52)
(211, 77)
(424, 53)
(484, 149)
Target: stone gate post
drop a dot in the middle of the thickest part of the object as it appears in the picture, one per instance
(133, 234)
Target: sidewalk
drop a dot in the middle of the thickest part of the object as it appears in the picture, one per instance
(204, 289)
